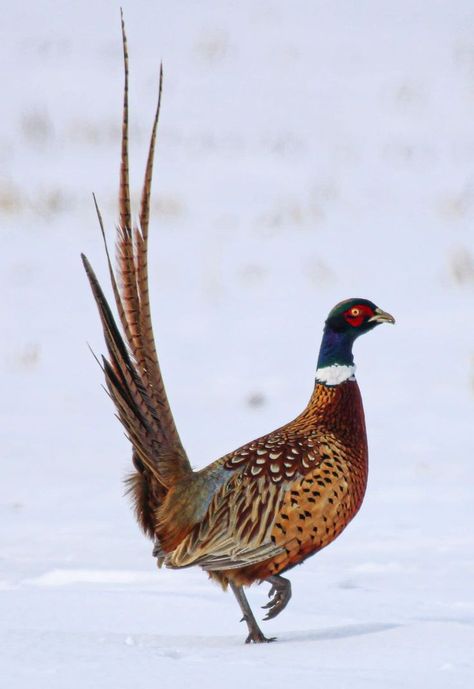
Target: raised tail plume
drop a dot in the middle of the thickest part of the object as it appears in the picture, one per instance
(132, 371)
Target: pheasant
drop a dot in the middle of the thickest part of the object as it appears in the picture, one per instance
(260, 510)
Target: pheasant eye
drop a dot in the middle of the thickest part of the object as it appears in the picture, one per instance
(356, 315)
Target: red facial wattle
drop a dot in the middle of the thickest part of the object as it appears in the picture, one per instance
(357, 314)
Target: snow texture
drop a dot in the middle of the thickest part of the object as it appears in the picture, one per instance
(308, 152)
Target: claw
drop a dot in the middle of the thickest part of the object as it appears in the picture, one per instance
(258, 638)
(280, 594)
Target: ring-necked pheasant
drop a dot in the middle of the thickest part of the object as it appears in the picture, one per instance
(255, 513)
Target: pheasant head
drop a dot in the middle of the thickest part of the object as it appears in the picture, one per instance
(346, 321)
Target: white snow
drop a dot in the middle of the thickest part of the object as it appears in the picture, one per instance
(308, 152)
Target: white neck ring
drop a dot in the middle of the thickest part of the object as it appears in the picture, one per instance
(335, 374)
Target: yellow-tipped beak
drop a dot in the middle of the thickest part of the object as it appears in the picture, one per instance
(382, 317)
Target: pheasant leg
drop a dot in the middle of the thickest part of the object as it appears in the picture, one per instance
(280, 594)
(255, 636)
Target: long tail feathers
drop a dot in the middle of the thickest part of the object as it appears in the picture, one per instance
(132, 371)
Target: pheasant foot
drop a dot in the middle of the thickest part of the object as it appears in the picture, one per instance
(256, 636)
(280, 594)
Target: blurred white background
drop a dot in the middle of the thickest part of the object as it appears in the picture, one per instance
(308, 152)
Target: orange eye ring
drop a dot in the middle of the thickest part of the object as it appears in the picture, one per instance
(355, 312)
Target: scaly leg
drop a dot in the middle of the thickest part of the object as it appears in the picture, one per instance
(281, 592)
(255, 636)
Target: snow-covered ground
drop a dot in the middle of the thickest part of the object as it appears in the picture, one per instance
(309, 151)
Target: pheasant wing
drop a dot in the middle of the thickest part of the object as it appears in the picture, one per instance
(287, 496)
(239, 527)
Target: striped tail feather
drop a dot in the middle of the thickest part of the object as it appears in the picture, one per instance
(132, 371)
